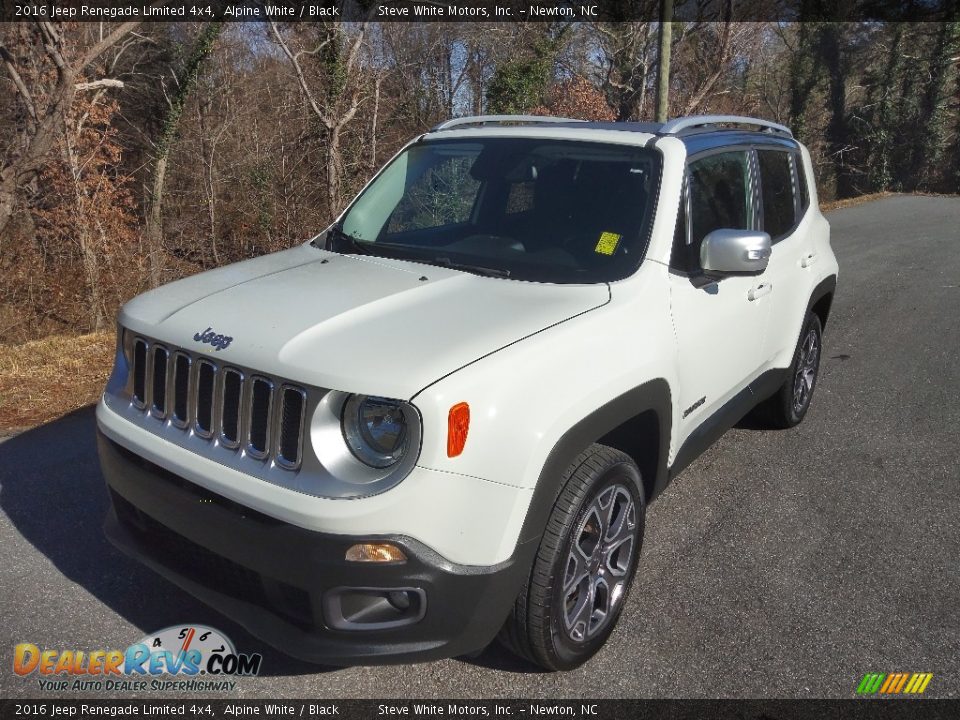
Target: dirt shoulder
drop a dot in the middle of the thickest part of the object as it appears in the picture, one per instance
(44, 379)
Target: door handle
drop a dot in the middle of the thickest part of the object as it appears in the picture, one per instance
(758, 291)
(808, 260)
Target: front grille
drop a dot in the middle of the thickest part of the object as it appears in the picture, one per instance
(206, 376)
(159, 381)
(181, 389)
(140, 372)
(232, 395)
(293, 404)
(252, 414)
(260, 406)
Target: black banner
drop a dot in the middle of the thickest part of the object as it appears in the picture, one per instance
(464, 709)
(472, 10)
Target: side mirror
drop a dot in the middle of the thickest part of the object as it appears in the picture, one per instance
(735, 252)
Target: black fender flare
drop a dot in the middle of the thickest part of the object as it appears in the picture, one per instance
(651, 396)
(825, 287)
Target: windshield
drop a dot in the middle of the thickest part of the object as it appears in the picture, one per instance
(524, 208)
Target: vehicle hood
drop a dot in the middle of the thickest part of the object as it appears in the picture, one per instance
(352, 323)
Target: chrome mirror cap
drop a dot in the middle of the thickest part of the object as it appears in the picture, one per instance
(735, 252)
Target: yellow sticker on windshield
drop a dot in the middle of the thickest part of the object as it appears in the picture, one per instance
(607, 245)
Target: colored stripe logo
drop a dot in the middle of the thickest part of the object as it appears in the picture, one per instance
(894, 683)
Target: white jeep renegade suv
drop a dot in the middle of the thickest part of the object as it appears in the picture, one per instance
(442, 419)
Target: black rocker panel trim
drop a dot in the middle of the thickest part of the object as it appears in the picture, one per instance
(728, 415)
(651, 396)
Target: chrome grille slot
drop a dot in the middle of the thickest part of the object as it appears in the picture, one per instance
(206, 379)
(261, 402)
(159, 398)
(293, 402)
(179, 412)
(140, 373)
(253, 415)
(230, 419)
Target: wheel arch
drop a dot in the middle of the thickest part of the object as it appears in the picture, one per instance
(821, 299)
(638, 423)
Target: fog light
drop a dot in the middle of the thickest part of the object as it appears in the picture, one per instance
(375, 552)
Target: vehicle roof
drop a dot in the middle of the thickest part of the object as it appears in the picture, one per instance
(697, 139)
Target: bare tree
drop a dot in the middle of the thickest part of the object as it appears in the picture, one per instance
(45, 119)
(626, 50)
(183, 86)
(336, 104)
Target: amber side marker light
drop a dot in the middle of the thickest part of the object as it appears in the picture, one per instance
(375, 552)
(458, 424)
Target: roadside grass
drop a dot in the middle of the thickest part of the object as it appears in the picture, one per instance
(852, 202)
(44, 379)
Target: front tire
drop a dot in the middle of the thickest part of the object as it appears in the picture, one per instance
(584, 566)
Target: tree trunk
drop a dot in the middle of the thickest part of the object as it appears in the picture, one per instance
(663, 71)
(88, 252)
(8, 198)
(154, 225)
(376, 112)
(36, 152)
(171, 126)
(837, 130)
(91, 271)
(883, 123)
(953, 178)
(333, 172)
(928, 145)
(804, 75)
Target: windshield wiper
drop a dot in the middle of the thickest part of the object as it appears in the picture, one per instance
(338, 241)
(475, 269)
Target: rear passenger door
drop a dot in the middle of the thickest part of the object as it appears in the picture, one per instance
(784, 202)
(719, 324)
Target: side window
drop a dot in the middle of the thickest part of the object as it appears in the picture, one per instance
(719, 197)
(682, 256)
(802, 183)
(776, 191)
(443, 195)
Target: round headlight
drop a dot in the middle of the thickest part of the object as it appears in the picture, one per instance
(375, 430)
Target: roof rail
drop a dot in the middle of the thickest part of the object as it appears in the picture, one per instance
(673, 127)
(498, 119)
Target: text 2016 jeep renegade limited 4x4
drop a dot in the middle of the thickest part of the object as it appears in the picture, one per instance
(442, 419)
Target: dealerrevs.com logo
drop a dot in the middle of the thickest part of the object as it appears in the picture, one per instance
(894, 683)
(183, 657)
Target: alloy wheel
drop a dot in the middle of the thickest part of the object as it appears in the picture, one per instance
(598, 564)
(806, 372)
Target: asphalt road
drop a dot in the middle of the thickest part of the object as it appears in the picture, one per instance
(781, 564)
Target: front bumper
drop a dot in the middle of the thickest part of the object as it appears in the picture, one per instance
(290, 586)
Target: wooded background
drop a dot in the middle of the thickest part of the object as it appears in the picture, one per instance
(131, 155)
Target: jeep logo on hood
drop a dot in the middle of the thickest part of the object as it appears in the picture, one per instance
(208, 336)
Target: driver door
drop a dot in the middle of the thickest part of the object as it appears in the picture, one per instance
(719, 323)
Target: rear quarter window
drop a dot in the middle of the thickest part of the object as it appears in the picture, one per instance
(802, 183)
(777, 192)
